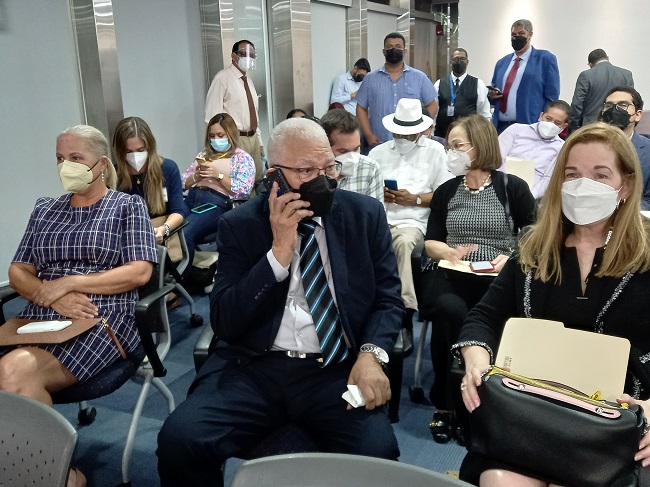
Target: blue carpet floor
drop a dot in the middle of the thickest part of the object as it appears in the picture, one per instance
(100, 445)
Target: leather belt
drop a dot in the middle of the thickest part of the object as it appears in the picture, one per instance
(294, 354)
(250, 133)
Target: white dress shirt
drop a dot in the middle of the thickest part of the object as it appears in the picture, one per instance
(482, 102)
(228, 95)
(297, 331)
(523, 141)
(419, 171)
(511, 110)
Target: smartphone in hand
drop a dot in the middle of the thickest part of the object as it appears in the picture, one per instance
(482, 266)
(391, 184)
(278, 177)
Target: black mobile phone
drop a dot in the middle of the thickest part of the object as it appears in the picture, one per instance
(391, 184)
(493, 88)
(204, 207)
(278, 176)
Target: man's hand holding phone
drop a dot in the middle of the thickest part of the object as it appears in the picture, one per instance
(494, 93)
(286, 211)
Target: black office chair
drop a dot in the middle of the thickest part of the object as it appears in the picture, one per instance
(145, 363)
(174, 274)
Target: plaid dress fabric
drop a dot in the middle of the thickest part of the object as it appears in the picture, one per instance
(62, 240)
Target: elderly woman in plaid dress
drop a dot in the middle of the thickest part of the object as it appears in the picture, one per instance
(83, 255)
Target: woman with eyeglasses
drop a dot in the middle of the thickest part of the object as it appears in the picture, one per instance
(474, 217)
(221, 172)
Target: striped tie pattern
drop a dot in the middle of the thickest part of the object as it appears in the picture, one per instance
(321, 304)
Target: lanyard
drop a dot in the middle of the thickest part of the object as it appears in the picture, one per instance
(452, 88)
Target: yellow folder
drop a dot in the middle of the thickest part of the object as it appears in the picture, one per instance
(544, 349)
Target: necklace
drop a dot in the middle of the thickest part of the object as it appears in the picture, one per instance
(485, 184)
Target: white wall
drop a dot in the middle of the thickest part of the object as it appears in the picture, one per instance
(161, 72)
(380, 24)
(569, 29)
(41, 96)
(329, 51)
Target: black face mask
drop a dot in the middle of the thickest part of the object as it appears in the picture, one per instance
(616, 116)
(320, 194)
(358, 78)
(518, 42)
(458, 67)
(394, 56)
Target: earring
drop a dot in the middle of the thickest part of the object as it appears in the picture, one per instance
(103, 177)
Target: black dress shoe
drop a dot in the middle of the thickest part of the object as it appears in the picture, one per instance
(440, 427)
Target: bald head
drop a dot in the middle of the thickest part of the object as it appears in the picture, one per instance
(295, 141)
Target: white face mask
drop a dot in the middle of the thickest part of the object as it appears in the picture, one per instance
(586, 201)
(548, 130)
(404, 146)
(349, 162)
(246, 63)
(137, 159)
(458, 161)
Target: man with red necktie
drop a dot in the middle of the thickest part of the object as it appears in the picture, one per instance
(523, 82)
(233, 92)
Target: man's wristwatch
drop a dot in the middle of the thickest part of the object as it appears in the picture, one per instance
(418, 200)
(220, 176)
(380, 353)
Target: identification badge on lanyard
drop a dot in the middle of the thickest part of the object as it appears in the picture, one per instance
(450, 111)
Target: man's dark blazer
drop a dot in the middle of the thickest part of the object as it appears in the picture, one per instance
(540, 85)
(642, 146)
(591, 90)
(247, 303)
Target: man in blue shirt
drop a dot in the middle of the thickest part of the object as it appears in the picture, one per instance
(383, 88)
(345, 86)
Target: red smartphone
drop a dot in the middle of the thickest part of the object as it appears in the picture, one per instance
(482, 266)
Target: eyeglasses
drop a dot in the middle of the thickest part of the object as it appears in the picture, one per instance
(249, 54)
(398, 49)
(307, 173)
(463, 59)
(623, 105)
(457, 146)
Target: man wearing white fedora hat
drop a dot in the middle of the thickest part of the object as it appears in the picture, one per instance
(414, 166)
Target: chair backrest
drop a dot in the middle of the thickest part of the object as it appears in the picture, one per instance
(36, 443)
(523, 168)
(332, 469)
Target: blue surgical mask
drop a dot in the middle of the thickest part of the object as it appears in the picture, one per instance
(220, 145)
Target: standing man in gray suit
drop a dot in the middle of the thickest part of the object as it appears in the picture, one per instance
(592, 87)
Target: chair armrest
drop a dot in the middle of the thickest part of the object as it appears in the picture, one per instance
(202, 347)
(143, 314)
(7, 293)
(178, 228)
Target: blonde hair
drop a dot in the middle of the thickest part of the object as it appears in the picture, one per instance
(135, 127)
(97, 144)
(483, 138)
(628, 249)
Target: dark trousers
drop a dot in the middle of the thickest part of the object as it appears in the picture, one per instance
(501, 126)
(231, 406)
(200, 225)
(448, 297)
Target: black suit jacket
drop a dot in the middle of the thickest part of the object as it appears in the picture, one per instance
(247, 303)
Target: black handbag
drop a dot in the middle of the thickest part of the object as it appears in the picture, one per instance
(558, 434)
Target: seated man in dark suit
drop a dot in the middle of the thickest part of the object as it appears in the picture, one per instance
(286, 352)
(623, 108)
